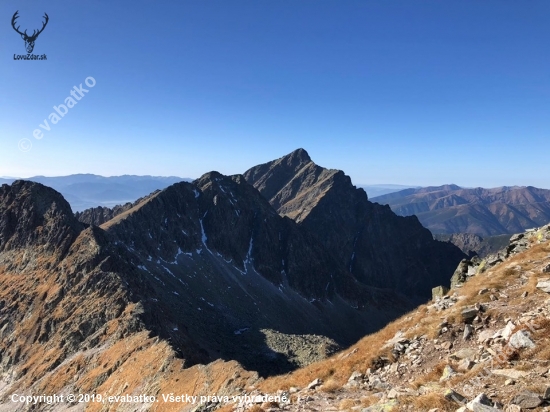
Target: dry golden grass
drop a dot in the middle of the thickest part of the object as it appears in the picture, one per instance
(531, 285)
(226, 408)
(536, 387)
(468, 376)
(429, 401)
(433, 376)
(541, 336)
(330, 386)
(256, 408)
(346, 404)
(369, 400)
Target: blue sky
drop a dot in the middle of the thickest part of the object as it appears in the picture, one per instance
(406, 92)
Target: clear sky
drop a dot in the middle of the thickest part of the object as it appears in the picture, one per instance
(407, 92)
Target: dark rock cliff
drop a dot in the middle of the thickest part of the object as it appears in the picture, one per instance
(377, 247)
(31, 214)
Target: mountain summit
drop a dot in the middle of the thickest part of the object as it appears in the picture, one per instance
(376, 246)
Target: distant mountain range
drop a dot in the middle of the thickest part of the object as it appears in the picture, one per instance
(83, 191)
(452, 209)
(384, 189)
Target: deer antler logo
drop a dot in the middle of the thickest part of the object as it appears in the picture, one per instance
(29, 40)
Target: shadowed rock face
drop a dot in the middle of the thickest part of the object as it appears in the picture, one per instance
(472, 244)
(204, 271)
(32, 214)
(377, 247)
(220, 254)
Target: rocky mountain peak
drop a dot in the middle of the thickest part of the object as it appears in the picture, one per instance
(379, 248)
(271, 176)
(35, 215)
(298, 156)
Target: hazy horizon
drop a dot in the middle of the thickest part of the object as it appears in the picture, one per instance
(424, 93)
(397, 186)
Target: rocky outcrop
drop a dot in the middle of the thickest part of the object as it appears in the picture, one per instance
(518, 243)
(472, 244)
(377, 247)
(33, 215)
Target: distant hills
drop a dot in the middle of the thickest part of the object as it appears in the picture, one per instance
(384, 189)
(84, 191)
(452, 209)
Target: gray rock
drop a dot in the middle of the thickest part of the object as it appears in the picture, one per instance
(469, 314)
(466, 364)
(527, 400)
(485, 335)
(544, 285)
(355, 376)
(447, 374)
(452, 395)
(481, 403)
(381, 386)
(314, 384)
(517, 237)
(464, 353)
(493, 260)
(439, 292)
(399, 347)
(521, 340)
(506, 332)
(392, 394)
(461, 273)
(510, 373)
(546, 395)
(468, 331)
